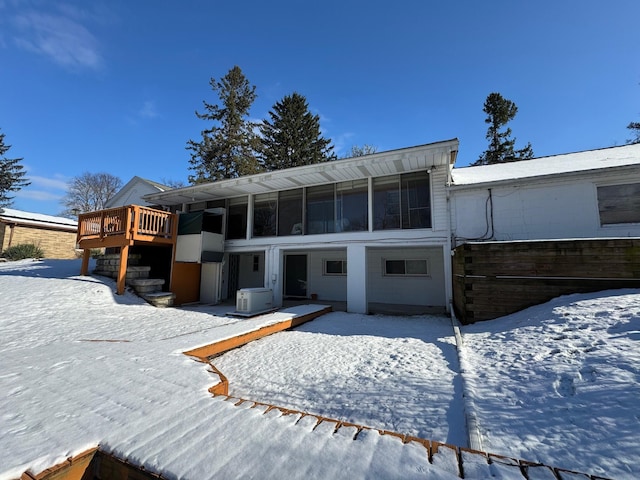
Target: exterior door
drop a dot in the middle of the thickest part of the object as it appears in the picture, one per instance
(234, 273)
(295, 276)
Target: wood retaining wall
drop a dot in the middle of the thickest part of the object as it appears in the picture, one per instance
(492, 279)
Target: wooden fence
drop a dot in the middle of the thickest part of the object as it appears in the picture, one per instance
(492, 279)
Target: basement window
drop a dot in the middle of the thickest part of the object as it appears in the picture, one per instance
(335, 267)
(619, 204)
(406, 268)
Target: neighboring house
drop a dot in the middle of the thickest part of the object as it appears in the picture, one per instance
(56, 236)
(372, 232)
(134, 191)
(589, 194)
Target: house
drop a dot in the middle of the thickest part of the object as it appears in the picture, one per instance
(529, 231)
(370, 233)
(590, 194)
(377, 233)
(134, 191)
(56, 236)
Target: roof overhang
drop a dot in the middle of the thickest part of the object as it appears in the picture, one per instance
(423, 157)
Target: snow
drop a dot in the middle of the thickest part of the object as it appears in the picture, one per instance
(81, 367)
(626, 155)
(36, 219)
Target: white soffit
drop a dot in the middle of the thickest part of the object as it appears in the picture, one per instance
(376, 165)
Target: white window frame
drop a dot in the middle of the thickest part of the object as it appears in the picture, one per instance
(405, 274)
(329, 274)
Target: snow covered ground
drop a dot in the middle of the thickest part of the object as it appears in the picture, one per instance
(558, 383)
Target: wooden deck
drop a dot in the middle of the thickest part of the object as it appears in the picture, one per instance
(123, 227)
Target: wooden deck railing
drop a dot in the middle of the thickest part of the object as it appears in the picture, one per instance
(125, 225)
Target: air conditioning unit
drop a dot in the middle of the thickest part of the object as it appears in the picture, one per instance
(251, 301)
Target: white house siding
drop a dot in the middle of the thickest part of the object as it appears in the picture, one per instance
(427, 291)
(439, 213)
(327, 287)
(133, 192)
(547, 208)
(248, 278)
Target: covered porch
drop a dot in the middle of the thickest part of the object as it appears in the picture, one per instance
(123, 227)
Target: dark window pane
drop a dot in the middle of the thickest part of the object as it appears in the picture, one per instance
(386, 203)
(351, 206)
(416, 267)
(264, 214)
(320, 209)
(416, 201)
(237, 219)
(290, 212)
(335, 267)
(394, 267)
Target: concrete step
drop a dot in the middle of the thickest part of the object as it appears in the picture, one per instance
(147, 285)
(114, 259)
(160, 299)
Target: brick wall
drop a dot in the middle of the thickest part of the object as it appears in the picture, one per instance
(54, 243)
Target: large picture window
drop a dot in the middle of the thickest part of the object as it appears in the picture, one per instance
(237, 218)
(402, 201)
(352, 206)
(290, 212)
(265, 210)
(320, 209)
(619, 204)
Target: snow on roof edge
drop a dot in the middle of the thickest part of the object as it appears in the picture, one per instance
(41, 219)
(583, 161)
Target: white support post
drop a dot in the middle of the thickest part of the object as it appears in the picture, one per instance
(357, 279)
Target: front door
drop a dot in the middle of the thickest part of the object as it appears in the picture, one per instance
(295, 276)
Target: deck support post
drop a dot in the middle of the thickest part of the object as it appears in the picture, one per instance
(86, 253)
(122, 269)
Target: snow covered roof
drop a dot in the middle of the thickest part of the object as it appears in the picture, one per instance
(403, 160)
(9, 215)
(590, 160)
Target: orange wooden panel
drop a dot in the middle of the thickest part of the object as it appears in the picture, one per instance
(185, 282)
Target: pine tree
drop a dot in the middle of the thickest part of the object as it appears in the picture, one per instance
(228, 148)
(292, 137)
(635, 129)
(12, 175)
(501, 111)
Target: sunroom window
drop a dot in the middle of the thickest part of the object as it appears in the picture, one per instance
(237, 218)
(290, 212)
(265, 214)
(402, 201)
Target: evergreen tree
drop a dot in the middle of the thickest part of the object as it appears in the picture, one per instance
(228, 148)
(12, 175)
(293, 137)
(635, 129)
(501, 111)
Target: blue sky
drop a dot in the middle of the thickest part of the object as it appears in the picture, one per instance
(112, 86)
